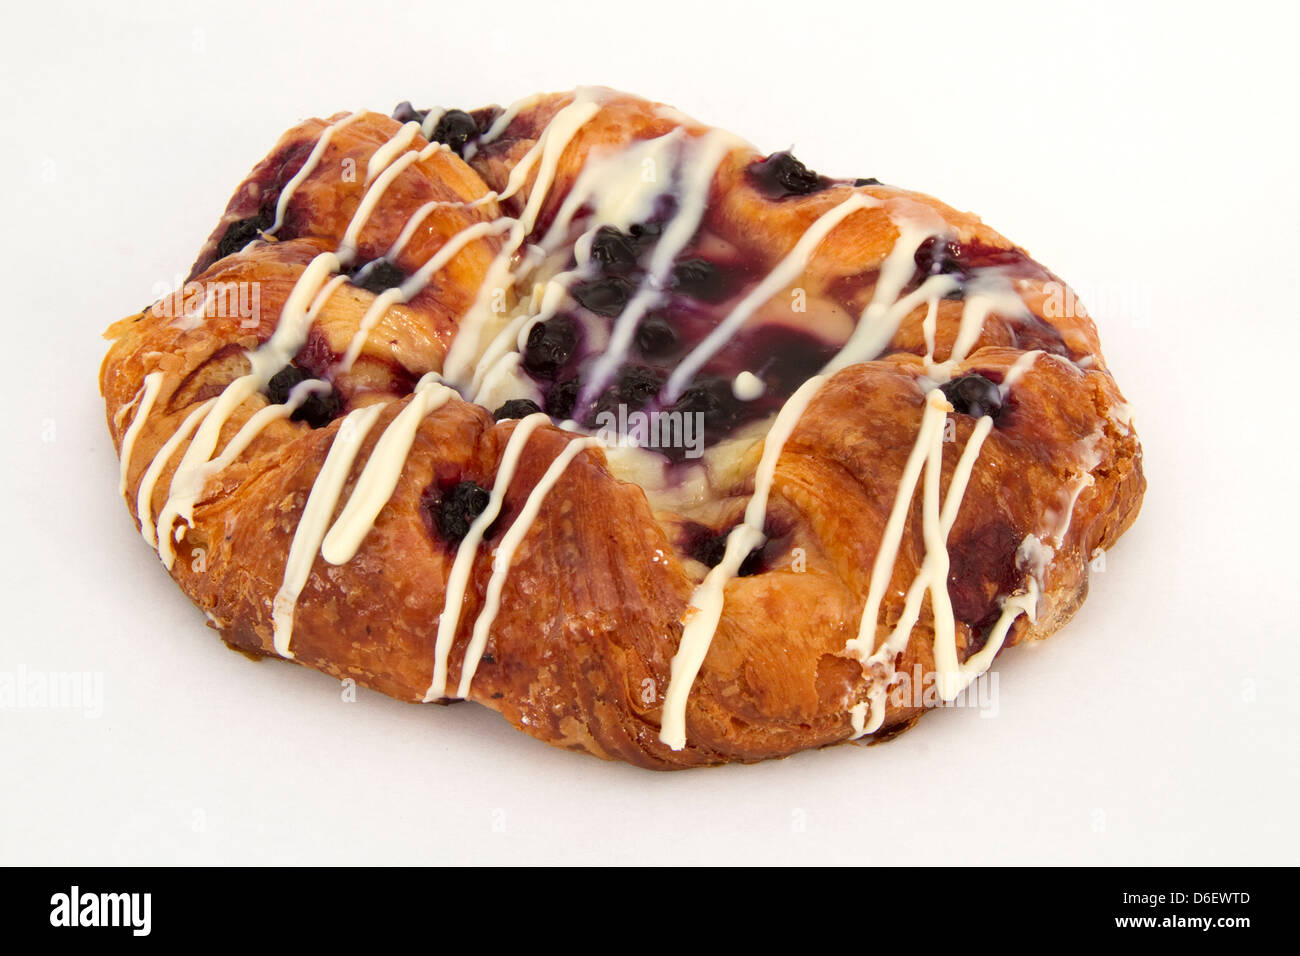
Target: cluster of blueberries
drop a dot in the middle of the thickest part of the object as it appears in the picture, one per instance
(553, 351)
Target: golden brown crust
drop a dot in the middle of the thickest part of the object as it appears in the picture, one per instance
(591, 611)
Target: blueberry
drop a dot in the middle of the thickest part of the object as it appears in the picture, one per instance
(939, 258)
(784, 358)
(645, 232)
(239, 234)
(283, 382)
(606, 296)
(317, 411)
(867, 181)
(458, 508)
(550, 346)
(655, 336)
(781, 175)
(698, 278)
(635, 387)
(485, 116)
(712, 398)
(947, 257)
(516, 408)
(613, 250)
(974, 395)
(709, 547)
(404, 112)
(455, 128)
(378, 276)
(710, 550)
(561, 398)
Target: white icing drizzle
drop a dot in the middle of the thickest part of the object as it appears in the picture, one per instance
(564, 126)
(120, 415)
(289, 336)
(1022, 602)
(411, 288)
(313, 159)
(1018, 370)
(951, 676)
(786, 271)
(383, 468)
(180, 503)
(507, 344)
(375, 192)
(505, 381)
(500, 124)
(463, 563)
(296, 317)
(1089, 457)
(619, 188)
(876, 327)
(146, 396)
(417, 219)
(322, 297)
(705, 608)
(144, 494)
(700, 163)
(505, 554)
(879, 322)
(598, 175)
(747, 387)
(263, 417)
(385, 154)
(519, 174)
(1034, 556)
(310, 532)
(190, 475)
(929, 327)
(882, 568)
(413, 223)
(431, 121)
(376, 311)
(448, 249)
(933, 574)
(379, 477)
(984, 295)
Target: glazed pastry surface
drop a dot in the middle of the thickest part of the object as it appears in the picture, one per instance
(667, 450)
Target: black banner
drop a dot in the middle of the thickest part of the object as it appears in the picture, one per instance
(925, 905)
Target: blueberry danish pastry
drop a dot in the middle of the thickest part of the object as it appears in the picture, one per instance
(667, 450)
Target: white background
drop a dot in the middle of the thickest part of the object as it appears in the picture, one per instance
(1148, 156)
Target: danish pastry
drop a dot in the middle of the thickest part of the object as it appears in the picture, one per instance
(667, 450)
